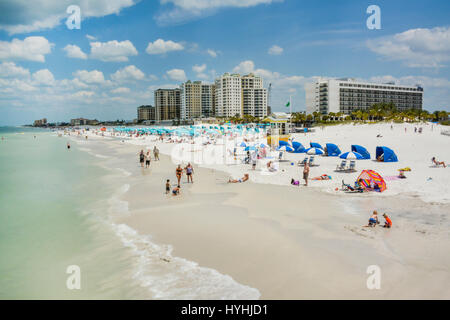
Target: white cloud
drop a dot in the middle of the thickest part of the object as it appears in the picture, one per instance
(44, 77)
(92, 77)
(275, 50)
(121, 90)
(128, 73)
(91, 37)
(212, 53)
(73, 51)
(161, 46)
(112, 51)
(28, 16)
(31, 48)
(177, 75)
(184, 10)
(10, 69)
(199, 69)
(415, 47)
(152, 77)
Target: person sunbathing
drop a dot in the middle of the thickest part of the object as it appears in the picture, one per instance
(438, 163)
(243, 179)
(322, 177)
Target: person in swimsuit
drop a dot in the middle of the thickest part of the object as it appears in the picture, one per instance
(189, 172)
(156, 153)
(142, 158)
(243, 179)
(178, 173)
(167, 186)
(176, 191)
(438, 163)
(373, 220)
(147, 159)
(388, 222)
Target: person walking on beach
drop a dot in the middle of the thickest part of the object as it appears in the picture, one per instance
(147, 159)
(142, 158)
(189, 172)
(156, 153)
(306, 173)
(178, 173)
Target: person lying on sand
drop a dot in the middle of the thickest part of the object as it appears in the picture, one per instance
(373, 220)
(243, 179)
(388, 222)
(322, 177)
(295, 182)
(438, 163)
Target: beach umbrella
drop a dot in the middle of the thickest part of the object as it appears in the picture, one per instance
(285, 148)
(250, 148)
(351, 155)
(243, 145)
(314, 151)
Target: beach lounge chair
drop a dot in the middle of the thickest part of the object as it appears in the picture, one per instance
(352, 166)
(303, 162)
(311, 162)
(342, 166)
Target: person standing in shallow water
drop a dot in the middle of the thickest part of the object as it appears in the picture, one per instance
(178, 173)
(189, 172)
(142, 158)
(156, 153)
(147, 159)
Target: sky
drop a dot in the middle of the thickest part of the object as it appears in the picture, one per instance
(125, 49)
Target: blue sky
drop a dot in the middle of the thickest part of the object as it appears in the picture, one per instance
(126, 49)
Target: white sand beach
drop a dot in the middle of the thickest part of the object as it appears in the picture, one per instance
(267, 239)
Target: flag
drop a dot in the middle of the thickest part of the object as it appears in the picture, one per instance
(288, 104)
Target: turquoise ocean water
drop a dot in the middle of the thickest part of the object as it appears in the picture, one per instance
(52, 215)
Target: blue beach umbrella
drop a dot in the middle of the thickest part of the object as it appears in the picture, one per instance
(285, 148)
(250, 148)
(314, 151)
(351, 155)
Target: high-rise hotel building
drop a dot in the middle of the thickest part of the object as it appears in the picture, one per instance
(167, 104)
(197, 100)
(347, 95)
(240, 95)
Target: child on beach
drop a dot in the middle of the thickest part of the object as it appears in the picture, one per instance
(167, 186)
(388, 222)
(373, 220)
(176, 191)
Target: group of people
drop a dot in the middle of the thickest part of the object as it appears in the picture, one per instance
(189, 169)
(145, 158)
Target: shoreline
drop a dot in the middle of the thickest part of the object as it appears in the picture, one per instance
(221, 231)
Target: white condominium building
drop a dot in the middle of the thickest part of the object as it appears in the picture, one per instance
(197, 100)
(254, 96)
(236, 95)
(348, 95)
